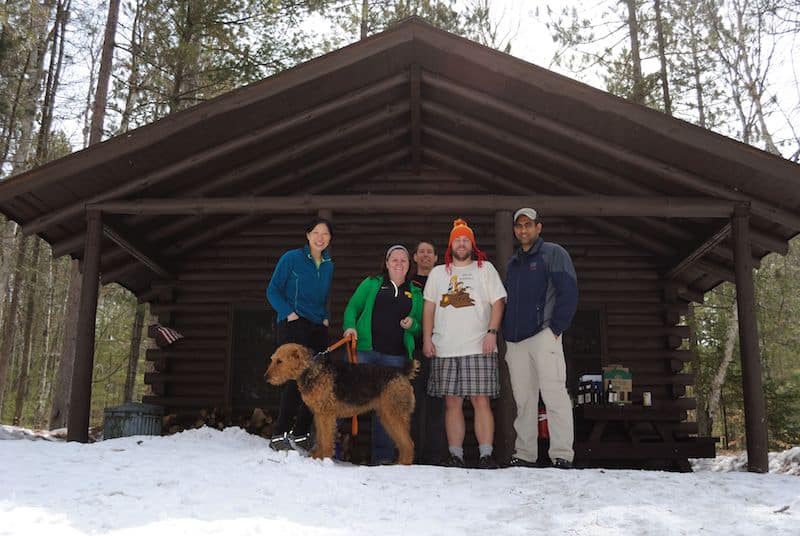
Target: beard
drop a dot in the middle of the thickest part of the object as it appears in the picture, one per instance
(461, 256)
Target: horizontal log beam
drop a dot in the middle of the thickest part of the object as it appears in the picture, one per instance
(592, 205)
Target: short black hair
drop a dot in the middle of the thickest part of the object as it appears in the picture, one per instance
(316, 221)
(416, 248)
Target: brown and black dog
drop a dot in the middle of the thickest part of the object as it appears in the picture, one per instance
(334, 390)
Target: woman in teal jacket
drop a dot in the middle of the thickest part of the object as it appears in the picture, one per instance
(385, 315)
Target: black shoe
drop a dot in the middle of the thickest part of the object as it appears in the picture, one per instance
(455, 461)
(487, 462)
(279, 442)
(519, 462)
(302, 442)
(561, 463)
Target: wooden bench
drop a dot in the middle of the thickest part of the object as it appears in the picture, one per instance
(636, 437)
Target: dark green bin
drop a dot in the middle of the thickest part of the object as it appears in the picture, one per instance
(132, 419)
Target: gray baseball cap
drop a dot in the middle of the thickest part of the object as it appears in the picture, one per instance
(529, 212)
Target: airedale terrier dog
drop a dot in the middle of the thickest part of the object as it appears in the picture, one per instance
(334, 390)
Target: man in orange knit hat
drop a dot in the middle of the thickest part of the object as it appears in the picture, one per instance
(464, 301)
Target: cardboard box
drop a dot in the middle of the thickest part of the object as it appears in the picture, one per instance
(622, 381)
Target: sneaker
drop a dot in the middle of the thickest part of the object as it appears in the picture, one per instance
(519, 462)
(487, 462)
(300, 442)
(455, 461)
(561, 463)
(280, 442)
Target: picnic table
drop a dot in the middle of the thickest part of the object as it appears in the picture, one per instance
(637, 437)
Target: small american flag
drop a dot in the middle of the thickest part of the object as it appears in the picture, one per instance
(163, 335)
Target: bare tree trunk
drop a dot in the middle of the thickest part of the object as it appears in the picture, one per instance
(12, 115)
(11, 237)
(60, 407)
(715, 390)
(10, 324)
(364, 18)
(133, 76)
(52, 80)
(133, 354)
(638, 79)
(662, 56)
(726, 438)
(23, 380)
(698, 86)
(46, 369)
(32, 94)
(703, 422)
(101, 97)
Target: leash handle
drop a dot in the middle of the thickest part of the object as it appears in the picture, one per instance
(352, 357)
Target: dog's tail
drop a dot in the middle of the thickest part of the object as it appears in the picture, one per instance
(411, 369)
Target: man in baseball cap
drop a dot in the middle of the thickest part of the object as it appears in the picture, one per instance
(542, 298)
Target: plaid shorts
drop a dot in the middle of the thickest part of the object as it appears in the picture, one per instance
(467, 375)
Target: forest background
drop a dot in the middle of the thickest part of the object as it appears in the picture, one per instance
(75, 72)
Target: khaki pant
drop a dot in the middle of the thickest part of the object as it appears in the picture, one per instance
(537, 364)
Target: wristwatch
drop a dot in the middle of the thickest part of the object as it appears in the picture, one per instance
(492, 331)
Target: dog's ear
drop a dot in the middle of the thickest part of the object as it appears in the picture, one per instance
(301, 353)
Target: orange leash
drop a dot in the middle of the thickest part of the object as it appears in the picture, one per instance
(352, 358)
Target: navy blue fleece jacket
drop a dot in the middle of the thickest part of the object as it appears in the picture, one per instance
(542, 291)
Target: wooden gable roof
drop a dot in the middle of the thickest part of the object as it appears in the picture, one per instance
(418, 101)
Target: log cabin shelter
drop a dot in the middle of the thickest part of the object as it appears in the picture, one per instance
(392, 138)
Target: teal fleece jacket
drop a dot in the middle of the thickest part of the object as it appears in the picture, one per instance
(299, 285)
(358, 314)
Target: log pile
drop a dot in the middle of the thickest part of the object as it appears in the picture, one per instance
(258, 422)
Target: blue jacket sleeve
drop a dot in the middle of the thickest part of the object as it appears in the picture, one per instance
(276, 290)
(562, 274)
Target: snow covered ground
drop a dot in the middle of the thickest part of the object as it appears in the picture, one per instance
(210, 482)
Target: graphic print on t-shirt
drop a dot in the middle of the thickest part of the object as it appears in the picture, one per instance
(458, 293)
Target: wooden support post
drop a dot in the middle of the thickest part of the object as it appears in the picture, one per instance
(505, 409)
(755, 413)
(81, 391)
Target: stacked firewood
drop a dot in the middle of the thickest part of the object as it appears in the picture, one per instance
(258, 422)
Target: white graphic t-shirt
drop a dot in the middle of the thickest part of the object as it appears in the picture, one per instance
(463, 300)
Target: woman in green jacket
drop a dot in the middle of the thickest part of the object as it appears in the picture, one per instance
(385, 315)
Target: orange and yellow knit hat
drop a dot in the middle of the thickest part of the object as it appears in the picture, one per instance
(460, 228)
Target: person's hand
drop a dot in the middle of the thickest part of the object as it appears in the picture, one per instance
(406, 322)
(490, 343)
(325, 323)
(351, 332)
(428, 349)
(292, 317)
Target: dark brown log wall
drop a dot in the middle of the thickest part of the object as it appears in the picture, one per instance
(642, 310)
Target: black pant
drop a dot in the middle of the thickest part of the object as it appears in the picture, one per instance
(315, 336)
(427, 421)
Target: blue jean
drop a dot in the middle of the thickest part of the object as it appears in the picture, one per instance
(382, 444)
